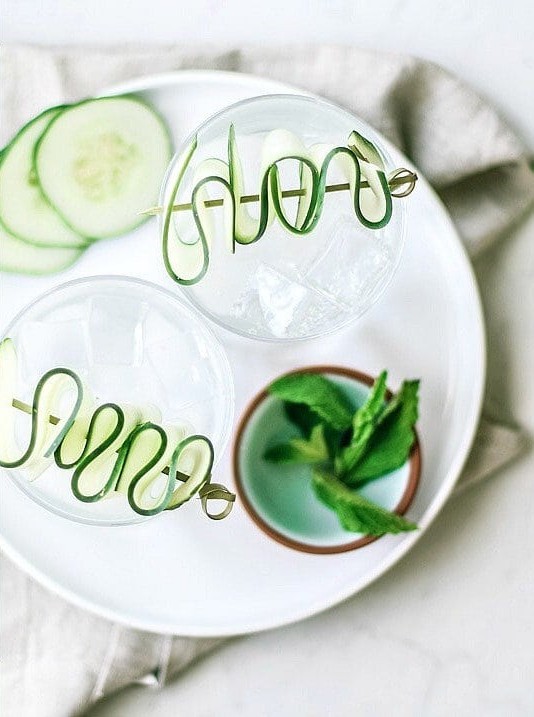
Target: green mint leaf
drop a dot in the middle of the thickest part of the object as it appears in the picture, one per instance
(321, 396)
(300, 450)
(363, 424)
(356, 513)
(389, 446)
(302, 417)
(305, 420)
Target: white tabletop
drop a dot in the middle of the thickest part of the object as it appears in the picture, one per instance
(449, 631)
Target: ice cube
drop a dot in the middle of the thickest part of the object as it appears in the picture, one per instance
(279, 298)
(356, 261)
(278, 305)
(122, 383)
(115, 327)
(269, 302)
(43, 345)
(183, 367)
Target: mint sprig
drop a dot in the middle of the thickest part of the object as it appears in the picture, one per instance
(348, 448)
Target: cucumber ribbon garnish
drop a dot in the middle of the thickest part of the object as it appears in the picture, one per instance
(186, 247)
(112, 448)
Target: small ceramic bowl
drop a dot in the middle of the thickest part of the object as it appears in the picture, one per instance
(280, 499)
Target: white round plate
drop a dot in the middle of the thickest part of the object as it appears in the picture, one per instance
(184, 574)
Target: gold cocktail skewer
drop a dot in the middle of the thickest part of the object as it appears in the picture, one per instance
(400, 178)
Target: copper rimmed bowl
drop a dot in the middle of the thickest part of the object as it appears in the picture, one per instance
(280, 499)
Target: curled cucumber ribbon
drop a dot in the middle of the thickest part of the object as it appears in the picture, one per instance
(186, 248)
(112, 448)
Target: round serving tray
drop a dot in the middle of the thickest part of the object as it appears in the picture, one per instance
(185, 575)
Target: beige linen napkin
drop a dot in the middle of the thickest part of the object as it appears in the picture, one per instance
(58, 659)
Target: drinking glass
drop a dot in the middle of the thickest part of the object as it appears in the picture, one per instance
(131, 342)
(286, 287)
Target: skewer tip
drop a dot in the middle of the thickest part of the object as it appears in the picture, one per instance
(151, 211)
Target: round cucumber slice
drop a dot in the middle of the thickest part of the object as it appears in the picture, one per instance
(19, 257)
(101, 162)
(24, 210)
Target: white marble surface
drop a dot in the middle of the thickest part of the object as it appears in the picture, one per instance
(450, 630)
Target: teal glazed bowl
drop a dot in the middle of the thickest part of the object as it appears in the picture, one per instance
(280, 499)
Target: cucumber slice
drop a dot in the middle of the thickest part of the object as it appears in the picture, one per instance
(95, 456)
(281, 145)
(246, 227)
(24, 210)
(45, 436)
(101, 162)
(365, 150)
(191, 254)
(147, 453)
(9, 451)
(186, 262)
(19, 257)
(194, 456)
(372, 204)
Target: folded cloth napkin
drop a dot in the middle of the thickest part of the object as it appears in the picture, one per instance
(60, 665)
